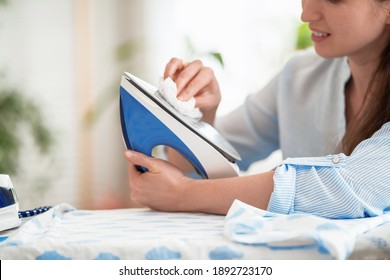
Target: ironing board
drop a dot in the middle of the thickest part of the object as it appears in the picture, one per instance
(64, 232)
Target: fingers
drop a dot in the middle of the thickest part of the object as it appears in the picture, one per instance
(174, 66)
(198, 84)
(195, 80)
(133, 172)
(140, 159)
(187, 74)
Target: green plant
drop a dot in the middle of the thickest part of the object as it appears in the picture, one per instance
(123, 54)
(19, 113)
(304, 37)
(195, 53)
(16, 111)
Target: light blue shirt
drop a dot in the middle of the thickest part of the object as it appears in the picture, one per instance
(302, 112)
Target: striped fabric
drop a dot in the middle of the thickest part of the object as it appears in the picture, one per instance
(302, 112)
(337, 186)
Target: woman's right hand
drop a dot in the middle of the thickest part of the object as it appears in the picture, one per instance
(193, 79)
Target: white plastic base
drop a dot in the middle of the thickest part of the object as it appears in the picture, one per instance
(9, 217)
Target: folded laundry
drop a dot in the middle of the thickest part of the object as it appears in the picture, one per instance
(248, 225)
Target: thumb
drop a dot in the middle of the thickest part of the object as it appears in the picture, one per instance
(140, 159)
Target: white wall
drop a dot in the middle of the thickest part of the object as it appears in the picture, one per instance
(41, 41)
(255, 37)
(37, 56)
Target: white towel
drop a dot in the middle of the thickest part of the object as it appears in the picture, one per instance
(168, 90)
(252, 226)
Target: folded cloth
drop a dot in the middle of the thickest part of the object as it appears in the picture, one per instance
(252, 226)
(168, 90)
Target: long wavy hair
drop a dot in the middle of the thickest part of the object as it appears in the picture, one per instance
(376, 106)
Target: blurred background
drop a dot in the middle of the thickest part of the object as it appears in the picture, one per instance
(60, 67)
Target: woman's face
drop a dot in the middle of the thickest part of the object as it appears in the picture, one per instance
(353, 28)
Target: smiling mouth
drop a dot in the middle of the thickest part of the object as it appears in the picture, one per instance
(320, 34)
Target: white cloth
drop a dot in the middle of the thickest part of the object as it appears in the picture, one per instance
(252, 226)
(168, 90)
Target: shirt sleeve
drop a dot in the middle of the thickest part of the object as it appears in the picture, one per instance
(337, 186)
(252, 128)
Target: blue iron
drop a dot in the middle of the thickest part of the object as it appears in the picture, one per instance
(9, 205)
(148, 120)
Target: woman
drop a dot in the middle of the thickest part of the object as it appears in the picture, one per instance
(328, 111)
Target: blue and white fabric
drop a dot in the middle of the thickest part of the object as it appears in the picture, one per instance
(65, 233)
(252, 226)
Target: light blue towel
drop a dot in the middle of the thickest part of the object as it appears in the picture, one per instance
(249, 225)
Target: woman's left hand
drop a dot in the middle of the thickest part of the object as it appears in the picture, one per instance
(161, 188)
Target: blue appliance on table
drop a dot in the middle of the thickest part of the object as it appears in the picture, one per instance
(148, 120)
(9, 205)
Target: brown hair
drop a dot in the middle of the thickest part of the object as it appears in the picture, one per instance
(376, 106)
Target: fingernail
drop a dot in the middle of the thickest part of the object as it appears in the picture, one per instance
(129, 153)
(181, 96)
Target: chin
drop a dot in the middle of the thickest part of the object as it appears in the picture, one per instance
(327, 53)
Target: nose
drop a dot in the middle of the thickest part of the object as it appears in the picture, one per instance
(311, 11)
